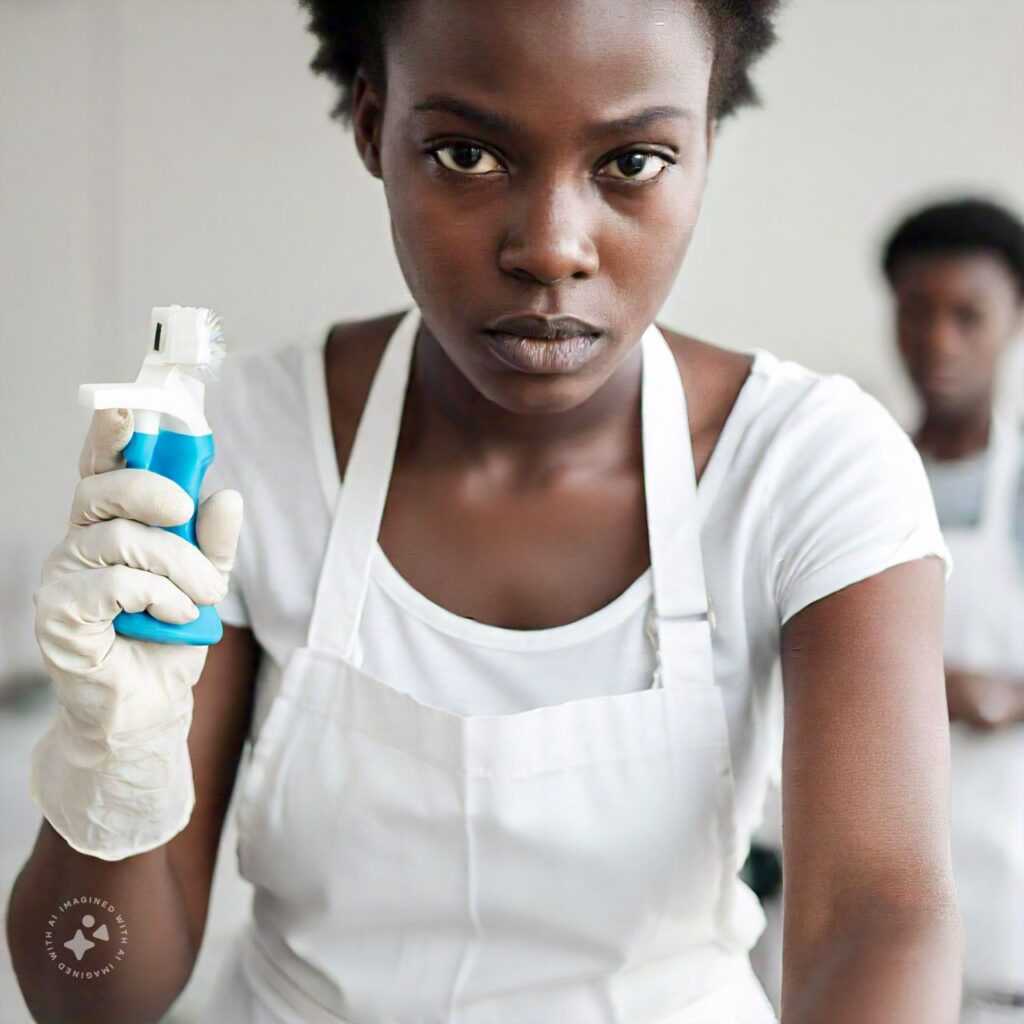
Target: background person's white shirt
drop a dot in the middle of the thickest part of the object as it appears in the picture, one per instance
(958, 486)
(812, 486)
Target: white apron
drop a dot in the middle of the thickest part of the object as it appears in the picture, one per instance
(984, 631)
(571, 864)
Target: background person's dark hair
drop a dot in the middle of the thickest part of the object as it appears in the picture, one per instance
(353, 32)
(956, 227)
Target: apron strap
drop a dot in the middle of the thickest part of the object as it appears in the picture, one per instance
(345, 571)
(1001, 478)
(682, 608)
(319, 420)
(673, 518)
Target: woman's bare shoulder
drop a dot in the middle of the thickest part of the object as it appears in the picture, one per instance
(712, 379)
(712, 366)
(352, 352)
(351, 355)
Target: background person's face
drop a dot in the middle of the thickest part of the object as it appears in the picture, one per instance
(954, 316)
(542, 216)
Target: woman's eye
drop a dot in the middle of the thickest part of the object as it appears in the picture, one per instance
(464, 158)
(635, 164)
(470, 160)
(968, 318)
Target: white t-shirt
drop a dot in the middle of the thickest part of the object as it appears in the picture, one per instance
(811, 486)
(958, 489)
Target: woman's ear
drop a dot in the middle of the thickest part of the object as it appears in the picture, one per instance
(366, 120)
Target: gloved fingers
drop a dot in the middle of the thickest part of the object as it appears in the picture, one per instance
(109, 431)
(137, 494)
(126, 542)
(77, 607)
(218, 524)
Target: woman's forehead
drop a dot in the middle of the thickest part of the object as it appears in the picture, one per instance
(558, 59)
(973, 274)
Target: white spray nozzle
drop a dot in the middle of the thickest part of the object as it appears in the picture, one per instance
(185, 336)
(183, 339)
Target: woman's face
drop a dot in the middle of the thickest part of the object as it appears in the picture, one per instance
(512, 191)
(954, 316)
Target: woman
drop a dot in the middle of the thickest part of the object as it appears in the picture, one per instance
(957, 273)
(509, 720)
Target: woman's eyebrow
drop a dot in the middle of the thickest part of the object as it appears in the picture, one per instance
(499, 123)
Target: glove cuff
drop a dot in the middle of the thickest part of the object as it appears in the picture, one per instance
(115, 805)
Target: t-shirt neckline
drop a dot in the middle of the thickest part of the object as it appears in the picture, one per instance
(411, 600)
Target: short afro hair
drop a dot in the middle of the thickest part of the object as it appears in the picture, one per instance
(352, 33)
(959, 226)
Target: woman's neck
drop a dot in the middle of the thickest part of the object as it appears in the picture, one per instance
(456, 423)
(945, 435)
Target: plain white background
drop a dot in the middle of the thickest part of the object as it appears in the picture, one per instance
(154, 152)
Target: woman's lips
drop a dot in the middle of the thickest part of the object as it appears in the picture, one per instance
(942, 380)
(543, 355)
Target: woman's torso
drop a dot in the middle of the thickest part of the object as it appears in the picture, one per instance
(343, 737)
(782, 514)
(781, 521)
(284, 441)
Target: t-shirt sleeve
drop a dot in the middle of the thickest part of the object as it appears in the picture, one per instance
(232, 609)
(849, 496)
(226, 471)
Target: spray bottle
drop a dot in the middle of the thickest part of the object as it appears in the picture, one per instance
(171, 437)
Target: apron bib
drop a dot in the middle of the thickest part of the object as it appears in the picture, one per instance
(984, 628)
(569, 863)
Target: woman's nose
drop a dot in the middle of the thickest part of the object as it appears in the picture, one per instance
(549, 235)
(941, 337)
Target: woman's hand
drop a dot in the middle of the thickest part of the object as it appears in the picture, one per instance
(112, 775)
(983, 701)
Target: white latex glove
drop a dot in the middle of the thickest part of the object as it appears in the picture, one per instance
(112, 775)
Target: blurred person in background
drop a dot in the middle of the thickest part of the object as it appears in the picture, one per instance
(956, 270)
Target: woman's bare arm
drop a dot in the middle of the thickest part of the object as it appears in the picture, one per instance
(163, 895)
(872, 930)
